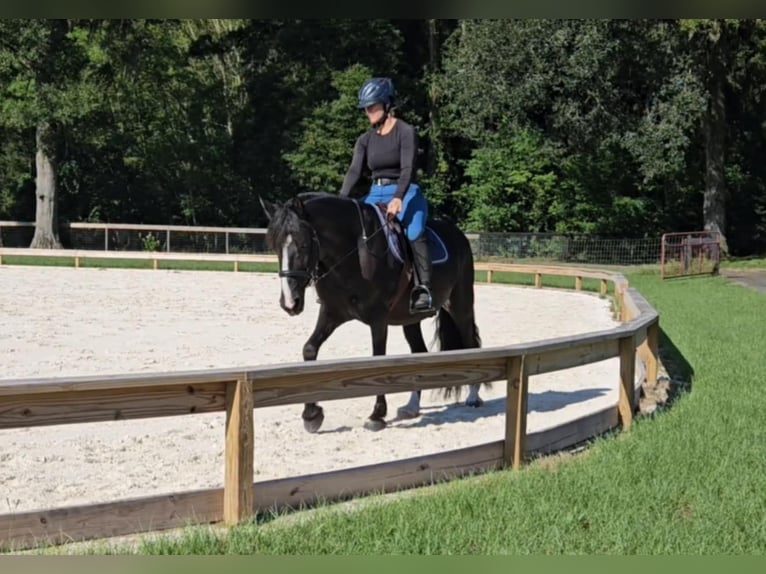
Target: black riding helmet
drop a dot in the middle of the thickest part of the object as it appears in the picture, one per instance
(376, 91)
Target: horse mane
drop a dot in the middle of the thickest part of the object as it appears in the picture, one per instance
(286, 218)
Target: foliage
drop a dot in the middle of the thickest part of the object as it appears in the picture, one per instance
(324, 151)
(596, 126)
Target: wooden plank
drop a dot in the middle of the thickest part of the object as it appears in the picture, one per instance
(572, 433)
(315, 387)
(547, 270)
(143, 255)
(115, 404)
(631, 308)
(627, 401)
(569, 357)
(111, 383)
(384, 477)
(177, 228)
(240, 434)
(78, 523)
(17, 223)
(516, 413)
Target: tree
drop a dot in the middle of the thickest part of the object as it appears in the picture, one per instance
(44, 66)
(327, 143)
(722, 53)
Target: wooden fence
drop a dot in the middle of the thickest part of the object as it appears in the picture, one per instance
(237, 392)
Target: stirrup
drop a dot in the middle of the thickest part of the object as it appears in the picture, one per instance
(415, 294)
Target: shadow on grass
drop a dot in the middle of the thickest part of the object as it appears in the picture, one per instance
(679, 370)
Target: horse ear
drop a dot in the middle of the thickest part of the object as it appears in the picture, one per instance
(268, 207)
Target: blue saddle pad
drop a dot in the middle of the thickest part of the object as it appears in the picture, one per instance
(436, 247)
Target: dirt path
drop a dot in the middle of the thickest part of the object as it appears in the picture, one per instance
(751, 278)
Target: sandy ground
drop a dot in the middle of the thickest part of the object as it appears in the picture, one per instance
(68, 322)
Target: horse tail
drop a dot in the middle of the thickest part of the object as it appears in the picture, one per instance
(450, 338)
(447, 333)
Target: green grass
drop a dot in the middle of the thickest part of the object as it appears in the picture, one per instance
(745, 263)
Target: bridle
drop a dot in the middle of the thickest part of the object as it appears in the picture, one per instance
(308, 275)
(311, 273)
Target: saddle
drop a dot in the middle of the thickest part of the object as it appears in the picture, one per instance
(399, 245)
(399, 249)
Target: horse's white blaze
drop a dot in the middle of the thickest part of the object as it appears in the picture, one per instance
(286, 292)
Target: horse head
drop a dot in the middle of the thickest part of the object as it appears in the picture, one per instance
(295, 241)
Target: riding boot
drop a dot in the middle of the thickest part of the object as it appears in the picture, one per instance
(421, 258)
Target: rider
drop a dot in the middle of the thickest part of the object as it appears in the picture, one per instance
(390, 148)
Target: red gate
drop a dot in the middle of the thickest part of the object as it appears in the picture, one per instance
(690, 253)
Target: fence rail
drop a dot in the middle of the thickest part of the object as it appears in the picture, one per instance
(237, 392)
(570, 248)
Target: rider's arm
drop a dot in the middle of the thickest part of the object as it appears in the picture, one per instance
(355, 169)
(408, 150)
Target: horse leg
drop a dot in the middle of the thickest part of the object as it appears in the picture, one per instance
(414, 336)
(313, 414)
(377, 420)
(473, 399)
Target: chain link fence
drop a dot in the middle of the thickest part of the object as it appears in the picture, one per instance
(542, 247)
(566, 248)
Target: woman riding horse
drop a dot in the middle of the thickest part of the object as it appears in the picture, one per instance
(390, 147)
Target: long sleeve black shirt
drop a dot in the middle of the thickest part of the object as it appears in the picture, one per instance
(390, 156)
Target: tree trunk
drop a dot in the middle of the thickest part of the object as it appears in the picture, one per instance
(433, 68)
(46, 213)
(714, 203)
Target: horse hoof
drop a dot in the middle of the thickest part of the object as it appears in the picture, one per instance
(313, 425)
(474, 403)
(375, 424)
(407, 413)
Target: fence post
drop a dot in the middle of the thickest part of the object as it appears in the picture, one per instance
(515, 412)
(106, 238)
(627, 400)
(238, 481)
(226, 236)
(167, 241)
(653, 356)
(578, 283)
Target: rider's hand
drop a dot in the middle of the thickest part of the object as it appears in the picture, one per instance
(394, 207)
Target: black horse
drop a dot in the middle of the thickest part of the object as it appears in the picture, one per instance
(343, 247)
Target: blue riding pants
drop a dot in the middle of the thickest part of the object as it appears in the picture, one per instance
(414, 206)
